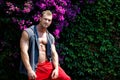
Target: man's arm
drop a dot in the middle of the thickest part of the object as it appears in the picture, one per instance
(24, 45)
(55, 62)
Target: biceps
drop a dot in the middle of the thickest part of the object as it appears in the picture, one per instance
(23, 45)
(53, 48)
(54, 52)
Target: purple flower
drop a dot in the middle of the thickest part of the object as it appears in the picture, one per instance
(17, 9)
(27, 7)
(36, 17)
(57, 33)
(63, 2)
(22, 22)
(71, 14)
(42, 6)
(63, 12)
(22, 27)
(49, 2)
(9, 4)
(61, 18)
(60, 10)
(11, 8)
(26, 10)
(28, 4)
(28, 22)
(54, 15)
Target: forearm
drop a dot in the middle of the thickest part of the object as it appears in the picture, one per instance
(25, 59)
(55, 61)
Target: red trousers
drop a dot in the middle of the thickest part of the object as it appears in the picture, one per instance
(44, 70)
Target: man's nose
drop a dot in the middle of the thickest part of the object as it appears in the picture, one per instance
(47, 21)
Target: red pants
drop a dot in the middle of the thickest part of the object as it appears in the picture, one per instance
(44, 70)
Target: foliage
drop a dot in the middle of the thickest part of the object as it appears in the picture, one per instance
(91, 44)
(28, 12)
(15, 16)
(9, 51)
(89, 47)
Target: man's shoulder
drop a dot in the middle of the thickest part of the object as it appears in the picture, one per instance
(31, 27)
(50, 35)
(30, 30)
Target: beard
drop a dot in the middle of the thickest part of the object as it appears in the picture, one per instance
(44, 25)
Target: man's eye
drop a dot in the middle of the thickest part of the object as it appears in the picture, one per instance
(45, 19)
(49, 20)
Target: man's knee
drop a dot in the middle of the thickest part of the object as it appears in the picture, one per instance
(68, 78)
(65, 77)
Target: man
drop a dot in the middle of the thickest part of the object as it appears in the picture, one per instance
(38, 52)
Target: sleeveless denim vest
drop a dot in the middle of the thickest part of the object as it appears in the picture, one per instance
(34, 48)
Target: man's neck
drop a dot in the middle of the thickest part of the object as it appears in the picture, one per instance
(41, 29)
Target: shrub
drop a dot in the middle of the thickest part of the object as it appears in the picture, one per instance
(90, 44)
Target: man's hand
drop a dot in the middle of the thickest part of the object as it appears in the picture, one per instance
(54, 74)
(31, 75)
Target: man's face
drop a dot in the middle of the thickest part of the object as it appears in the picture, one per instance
(46, 20)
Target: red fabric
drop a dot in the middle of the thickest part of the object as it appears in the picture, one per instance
(44, 70)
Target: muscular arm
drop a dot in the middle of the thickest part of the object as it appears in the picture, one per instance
(24, 45)
(54, 57)
(55, 62)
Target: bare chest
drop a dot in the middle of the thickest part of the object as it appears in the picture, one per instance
(42, 39)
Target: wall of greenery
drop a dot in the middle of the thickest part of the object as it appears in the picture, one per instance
(91, 44)
(89, 48)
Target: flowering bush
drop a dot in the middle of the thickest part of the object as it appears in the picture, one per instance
(29, 13)
(71, 43)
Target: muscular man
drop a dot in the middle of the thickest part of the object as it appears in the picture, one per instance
(41, 60)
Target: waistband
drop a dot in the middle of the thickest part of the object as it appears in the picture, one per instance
(43, 63)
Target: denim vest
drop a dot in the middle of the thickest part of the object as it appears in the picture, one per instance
(33, 51)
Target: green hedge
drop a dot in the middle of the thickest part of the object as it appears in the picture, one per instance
(91, 44)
